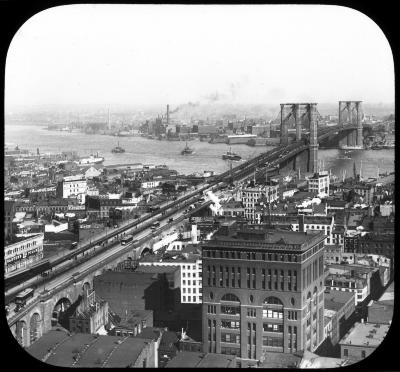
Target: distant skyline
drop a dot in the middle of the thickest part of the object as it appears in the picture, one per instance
(153, 55)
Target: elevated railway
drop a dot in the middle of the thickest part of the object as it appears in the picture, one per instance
(109, 242)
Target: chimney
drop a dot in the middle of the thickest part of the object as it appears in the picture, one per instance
(301, 223)
(167, 114)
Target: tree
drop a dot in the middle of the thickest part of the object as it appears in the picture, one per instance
(13, 179)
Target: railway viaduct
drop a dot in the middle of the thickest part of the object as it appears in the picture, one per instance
(49, 308)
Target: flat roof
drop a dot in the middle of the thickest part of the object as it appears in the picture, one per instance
(157, 269)
(260, 235)
(150, 333)
(388, 295)
(178, 259)
(190, 359)
(120, 354)
(366, 334)
(340, 297)
(281, 360)
(131, 318)
(311, 360)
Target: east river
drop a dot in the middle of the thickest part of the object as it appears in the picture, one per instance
(206, 156)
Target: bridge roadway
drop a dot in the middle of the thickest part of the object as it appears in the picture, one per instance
(273, 157)
(102, 241)
(46, 289)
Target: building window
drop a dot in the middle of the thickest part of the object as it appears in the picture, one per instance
(272, 341)
(269, 327)
(345, 352)
(230, 298)
(231, 310)
(230, 338)
(230, 324)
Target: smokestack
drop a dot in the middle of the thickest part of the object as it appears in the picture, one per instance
(167, 114)
(301, 223)
(109, 124)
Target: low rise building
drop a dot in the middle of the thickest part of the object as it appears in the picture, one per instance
(362, 340)
(319, 183)
(190, 270)
(345, 283)
(386, 209)
(92, 172)
(58, 348)
(315, 224)
(232, 208)
(251, 196)
(150, 184)
(379, 244)
(126, 291)
(311, 360)
(131, 323)
(90, 315)
(23, 252)
(150, 333)
(336, 254)
(339, 307)
(74, 185)
(381, 311)
(191, 359)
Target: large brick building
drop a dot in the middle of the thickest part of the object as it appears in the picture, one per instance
(263, 291)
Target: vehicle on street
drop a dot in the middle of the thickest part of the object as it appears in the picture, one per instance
(23, 297)
(155, 225)
(126, 239)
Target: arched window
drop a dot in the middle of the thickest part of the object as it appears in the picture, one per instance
(308, 302)
(230, 297)
(273, 301)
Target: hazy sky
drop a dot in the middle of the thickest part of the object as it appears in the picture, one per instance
(133, 54)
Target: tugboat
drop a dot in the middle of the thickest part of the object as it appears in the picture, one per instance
(231, 155)
(118, 149)
(187, 150)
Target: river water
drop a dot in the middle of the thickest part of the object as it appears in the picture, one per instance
(206, 157)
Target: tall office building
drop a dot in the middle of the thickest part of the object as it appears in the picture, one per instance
(263, 291)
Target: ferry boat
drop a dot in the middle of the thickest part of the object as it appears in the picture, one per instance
(231, 156)
(344, 157)
(118, 149)
(187, 150)
(355, 147)
(90, 160)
